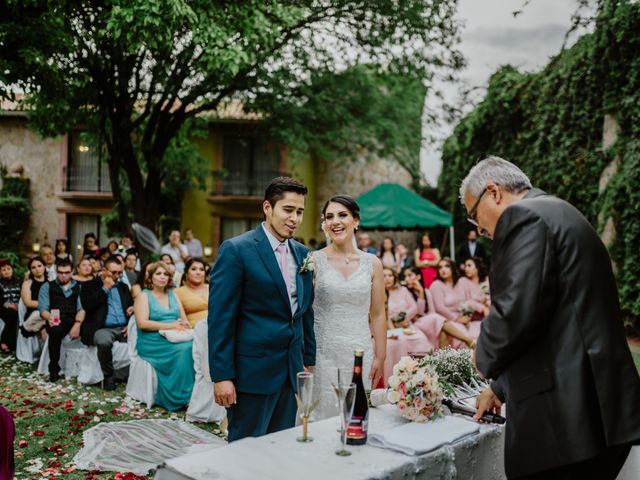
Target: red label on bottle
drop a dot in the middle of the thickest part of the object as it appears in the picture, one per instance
(357, 428)
(357, 369)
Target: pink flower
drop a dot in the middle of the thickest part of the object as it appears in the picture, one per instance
(402, 388)
(402, 405)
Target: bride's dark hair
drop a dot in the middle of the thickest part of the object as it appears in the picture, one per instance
(345, 201)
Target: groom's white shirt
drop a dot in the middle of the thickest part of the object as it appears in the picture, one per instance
(293, 267)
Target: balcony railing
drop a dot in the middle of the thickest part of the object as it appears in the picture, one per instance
(88, 178)
(243, 184)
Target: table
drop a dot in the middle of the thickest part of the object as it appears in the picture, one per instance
(279, 456)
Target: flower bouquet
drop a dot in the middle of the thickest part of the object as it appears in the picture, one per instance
(415, 389)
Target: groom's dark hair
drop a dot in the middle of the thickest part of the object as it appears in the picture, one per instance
(279, 186)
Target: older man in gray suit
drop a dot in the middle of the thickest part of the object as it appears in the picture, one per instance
(553, 342)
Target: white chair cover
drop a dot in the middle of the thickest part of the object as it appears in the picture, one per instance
(202, 407)
(27, 348)
(90, 371)
(143, 383)
(70, 357)
(1, 326)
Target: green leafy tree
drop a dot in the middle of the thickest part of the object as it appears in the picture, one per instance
(139, 70)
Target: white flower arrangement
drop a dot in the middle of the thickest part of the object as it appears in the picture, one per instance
(308, 264)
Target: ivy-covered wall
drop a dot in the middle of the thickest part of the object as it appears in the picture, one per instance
(550, 123)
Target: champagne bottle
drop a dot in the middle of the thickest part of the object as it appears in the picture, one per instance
(357, 431)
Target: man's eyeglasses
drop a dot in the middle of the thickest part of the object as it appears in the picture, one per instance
(64, 272)
(471, 216)
(115, 273)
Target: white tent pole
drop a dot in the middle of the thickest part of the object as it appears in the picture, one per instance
(452, 244)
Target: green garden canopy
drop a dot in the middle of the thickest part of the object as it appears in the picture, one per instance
(391, 206)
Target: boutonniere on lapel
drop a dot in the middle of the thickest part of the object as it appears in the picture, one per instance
(307, 264)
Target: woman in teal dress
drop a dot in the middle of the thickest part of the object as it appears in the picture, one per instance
(157, 308)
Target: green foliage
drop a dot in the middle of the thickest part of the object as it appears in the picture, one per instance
(14, 221)
(16, 187)
(357, 112)
(551, 124)
(19, 270)
(136, 71)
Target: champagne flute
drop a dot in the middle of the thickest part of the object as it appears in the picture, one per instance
(304, 399)
(345, 376)
(346, 393)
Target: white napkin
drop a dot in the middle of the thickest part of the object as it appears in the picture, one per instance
(418, 438)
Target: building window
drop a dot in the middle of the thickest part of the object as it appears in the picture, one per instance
(87, 171)
(232, 227)
(78, 226)
(249, 164)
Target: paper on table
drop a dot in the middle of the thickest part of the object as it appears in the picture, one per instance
(418, 438)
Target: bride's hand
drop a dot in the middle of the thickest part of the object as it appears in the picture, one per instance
(376, 372)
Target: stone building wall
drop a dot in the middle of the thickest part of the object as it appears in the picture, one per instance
(41, 161)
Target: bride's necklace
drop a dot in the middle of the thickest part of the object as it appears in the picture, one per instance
(345, 258)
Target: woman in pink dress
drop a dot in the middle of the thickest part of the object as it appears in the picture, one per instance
(451, 300)
(387, 253)
(427, 258)
(478, 287)
(436, 327)
(402, 311)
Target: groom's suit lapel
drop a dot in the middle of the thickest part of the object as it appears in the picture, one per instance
(268, 257)
(297, 254)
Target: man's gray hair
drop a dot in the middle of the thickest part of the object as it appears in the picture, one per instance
(494, 170)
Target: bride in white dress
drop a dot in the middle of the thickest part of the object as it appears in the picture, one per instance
(349, 305)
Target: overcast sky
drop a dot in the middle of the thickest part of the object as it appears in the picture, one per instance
(492, 37)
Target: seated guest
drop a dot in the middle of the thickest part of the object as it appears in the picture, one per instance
(62, 250)
(194, 292)
(402, 311)
(450, 301)
(90, 246)
(387, 254)
(33, 323)
(127, 244)
(130, 263)
(61, 296)
(84, 271)
(177, 250)
(176, 276)
(194, 246)
(7, 437)
(46, 252)
(405, 259)
(108, 306)
(9, 298)
(477, 287)
(157, 308)
(96, 264)
(138, 285)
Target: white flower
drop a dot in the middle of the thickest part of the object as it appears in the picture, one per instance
(393, 396)
(99, 412)
(308, 264)
(393, 381)
(80, 411)
(96, 418)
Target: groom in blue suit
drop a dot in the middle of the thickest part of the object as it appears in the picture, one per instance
(261, 318)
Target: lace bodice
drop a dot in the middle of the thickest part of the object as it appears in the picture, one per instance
(341, 312)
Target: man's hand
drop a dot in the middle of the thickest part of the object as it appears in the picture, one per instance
(487, 402)
(125, 330)
(224, 393)
(108, 282)
(309, 369)
(75, 330)
(13, 306)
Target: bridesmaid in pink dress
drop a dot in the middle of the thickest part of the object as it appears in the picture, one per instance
(436, 327)
(399, 299)
(427, 258)
(451, 300)
(478, 287)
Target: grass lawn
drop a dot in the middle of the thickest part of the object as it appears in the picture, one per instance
(50, 419)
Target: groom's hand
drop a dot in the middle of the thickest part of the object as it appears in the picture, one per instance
(224, 393)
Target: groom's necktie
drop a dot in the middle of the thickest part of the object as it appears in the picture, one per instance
(283, 262)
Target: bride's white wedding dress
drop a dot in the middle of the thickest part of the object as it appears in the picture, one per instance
(341, 324)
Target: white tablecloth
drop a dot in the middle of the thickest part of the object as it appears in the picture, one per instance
(279, 456)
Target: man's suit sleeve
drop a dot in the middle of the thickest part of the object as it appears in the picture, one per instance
(92, 295)
(225, 294)
(521, 285)
(309, 356)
